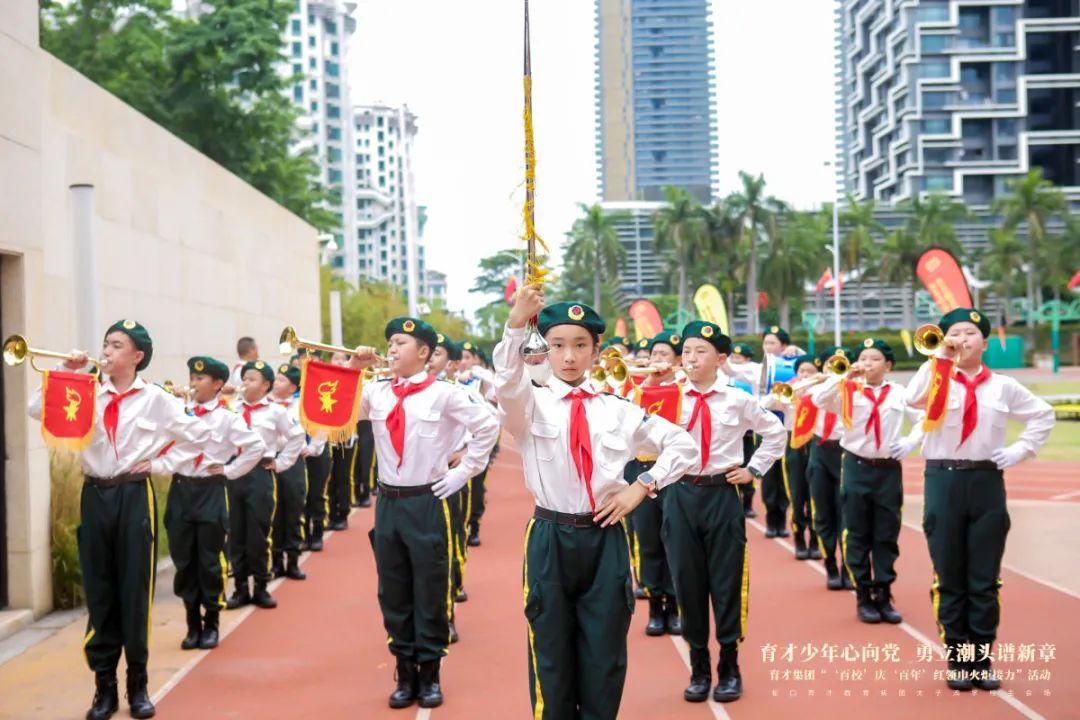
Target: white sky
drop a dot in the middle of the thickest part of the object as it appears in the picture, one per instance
(458, 66)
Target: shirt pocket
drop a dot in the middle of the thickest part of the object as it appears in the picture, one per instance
(954, 413)
(727, 419)
(378, 422)
(545, 440)
(613, 451)
(428, 427)
(146, 424)
(998, 413)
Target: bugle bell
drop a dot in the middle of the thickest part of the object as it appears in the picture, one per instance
(17, 350)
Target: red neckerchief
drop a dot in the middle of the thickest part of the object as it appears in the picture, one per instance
(395, 421)
(971, 406)
(701, 410)
(875, 412)
(581, 440)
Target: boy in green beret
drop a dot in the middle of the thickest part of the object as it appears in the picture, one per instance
(965, 517)
(873, 492)
(135, 422)
(575, 444)
(416, 422)
(253, 496)
(289, 525)
(704, 524)
(197, 511)
(477, 376)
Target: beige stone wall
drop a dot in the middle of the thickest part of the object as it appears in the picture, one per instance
(181, 245)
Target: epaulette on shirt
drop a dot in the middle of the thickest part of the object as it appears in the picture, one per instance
(614, 395)
(384, 380)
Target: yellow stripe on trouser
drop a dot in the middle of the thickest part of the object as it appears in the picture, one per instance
(270, 531)
(538, 709)
(787, 490)
(449, 566)
(843, 549)
(224, 579)
(813, 525)
(303, 503)
(744, 594)
(152, 507)
(352, 472)
(843, 533)
(935, 597)
(86, 641)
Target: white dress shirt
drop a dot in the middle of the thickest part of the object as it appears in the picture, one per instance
(859, 439)
(539, 419)
(1000, 399)
(231, 444)
(283, 436)
(733, 412)
(434, 420)
(149, 420)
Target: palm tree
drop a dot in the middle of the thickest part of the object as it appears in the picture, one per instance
(680, 234)
(896, 266)
(858, 219)
(932, 221)
(1003, 262)
(594, 244)
(722, 243)
(793, 256)
(753, 209)
(1034, 201)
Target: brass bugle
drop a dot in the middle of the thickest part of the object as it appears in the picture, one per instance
(17, 350)
(375, 373)
(789, 391)
(928, 338)
(837, 365)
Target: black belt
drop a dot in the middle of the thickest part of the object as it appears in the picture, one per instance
(874, 462)
(828, 444)
(708, 480)
(114, 481)
(208, 480)
(584, 520)
(403, 491)
(962, 464)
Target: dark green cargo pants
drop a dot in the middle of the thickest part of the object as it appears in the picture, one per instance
(578, 604)
(413, 541)
(649, 553)
(118, 556)
(197, 522)
(290, 529)
(252, 499)
(872, 498)
(318, 472)
(824, 473)
(795, 467)
(705, 536)
(966, 521)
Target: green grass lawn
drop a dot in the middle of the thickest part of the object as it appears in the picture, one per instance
(1066, 387)
(1064, 442)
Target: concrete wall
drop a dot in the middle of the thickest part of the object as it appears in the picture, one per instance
(181, 245)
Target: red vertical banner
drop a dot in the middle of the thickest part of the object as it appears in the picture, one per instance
(662, 400)
(67, 409)
(329, 400)
(943, 278)
(646, 317)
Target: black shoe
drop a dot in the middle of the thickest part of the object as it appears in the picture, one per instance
(262, 598)
(845, 577)
(958, 673)
(729, 680)
(700, 676)
(770, 532)
(461, 596)
(983, 676)
(453, 633)
(865, 607)
(106, 696)
(194, 627)
(430, 692)
(782, 531)
(801, 551)
(277, 568)
(474, 534)
(292, 568)
(883, 600)
(639, 593)
(339, 525)
(364, 502)
(815, 551)
(832, 581)
(241, 596)
(407, 679)
(315, 542)
(139, 704)
(657, 624)
(747, 513)
(208, 638)
(672, 619)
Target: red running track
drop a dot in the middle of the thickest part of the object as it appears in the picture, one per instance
(322, 653)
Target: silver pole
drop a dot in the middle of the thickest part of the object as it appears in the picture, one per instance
(335, 318)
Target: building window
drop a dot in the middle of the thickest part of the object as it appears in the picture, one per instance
(296, 49)
(334, 176)
(380, 123)
(295, 27)
(334, 49)
(332, 68)
(298, 93)
(314, 106)
(333, 90)
(933, 43)
(334, 154)
(333, 111)
(314, 84)
(311, 41)
(333, 133)
(311, 63)
(330, 26)
(297, 69)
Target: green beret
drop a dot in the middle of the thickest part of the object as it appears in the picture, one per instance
(780, 333)
(710, 333)
(292, 372)
(669, 338)
(643, 344)
(621, 340)
(138, 336)
(880, 345)
(807, 359)
(743, 349)
(453, 350)
(264, 368)
(970, 315)
(481, 353)
(204, 365)
(570, 313)
(415, 327)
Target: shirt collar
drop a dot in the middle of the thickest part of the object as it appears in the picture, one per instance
(414, 379)
(561, 389)
(264, 401)
(107, 386)
(719, 386)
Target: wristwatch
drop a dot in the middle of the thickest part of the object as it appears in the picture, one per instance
(756, 473)
(653, 486)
